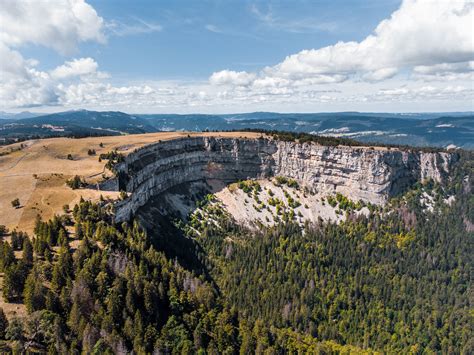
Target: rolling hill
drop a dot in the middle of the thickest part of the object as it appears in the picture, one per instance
(421, 129)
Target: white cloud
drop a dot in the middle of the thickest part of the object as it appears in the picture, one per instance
(421, 34)
(230, 77)
(445, 67)
(423, 93)
(303, 25)
(127, 29)
(212, 28)
(21, 83)
(60, 25)
(268, 82)
(380, 74)
(74, 68)
(445, 71)
(423, 40)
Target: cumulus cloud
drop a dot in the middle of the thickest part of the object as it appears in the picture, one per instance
(445, 71)
(421, 32)
(230, 77)
(380, 74)
(60, 25)
(75, 68)
(422, 35)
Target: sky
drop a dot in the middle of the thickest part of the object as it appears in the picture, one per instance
(237, 56)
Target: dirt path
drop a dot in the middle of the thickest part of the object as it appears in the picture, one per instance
(97, 174)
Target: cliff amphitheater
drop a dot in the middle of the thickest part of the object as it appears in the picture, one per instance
(166, 168)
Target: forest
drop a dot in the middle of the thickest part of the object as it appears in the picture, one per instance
(396, 281)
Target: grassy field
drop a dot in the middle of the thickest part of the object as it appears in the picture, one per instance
(37, 173)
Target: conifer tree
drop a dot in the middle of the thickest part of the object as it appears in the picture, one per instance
(3, 324)
(27, 251)
(14, 281)
(7, 256)
(34, 294)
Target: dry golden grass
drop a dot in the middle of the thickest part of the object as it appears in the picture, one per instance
(37, 173)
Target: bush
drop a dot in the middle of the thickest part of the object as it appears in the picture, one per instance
(249, 186)
(332, 201)
(282, 180)
(16, 203)
(292, 183)
(113, 158)
(3, 230)
(76, 182)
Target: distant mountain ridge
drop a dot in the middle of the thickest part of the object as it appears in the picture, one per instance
(419, 129)
(19, 115)
(75, 123)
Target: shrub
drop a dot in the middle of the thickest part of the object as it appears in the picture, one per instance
(123, 195)
(76, 182)
(16, 203)
(292, 183)
(113, 158)
(332, 201)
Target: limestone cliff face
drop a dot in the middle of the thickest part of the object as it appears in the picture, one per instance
(370, 174)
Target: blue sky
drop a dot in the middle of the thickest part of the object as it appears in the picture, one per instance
(189, 40)
(200, 37)
(236, 56)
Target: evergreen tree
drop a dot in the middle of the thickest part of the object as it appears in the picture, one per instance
(63, 269)
(27, 251)
(17, 239)
(34, 294)
(15, 330)
(3, 324)
(14, 281)
(7, 256)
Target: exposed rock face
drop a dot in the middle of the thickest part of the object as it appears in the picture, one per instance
(370, 174)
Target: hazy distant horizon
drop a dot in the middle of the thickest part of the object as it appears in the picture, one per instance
(13, 112)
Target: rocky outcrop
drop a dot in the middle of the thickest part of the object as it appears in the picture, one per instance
(370, 174)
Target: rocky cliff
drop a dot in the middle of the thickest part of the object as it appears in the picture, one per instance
(370, 174)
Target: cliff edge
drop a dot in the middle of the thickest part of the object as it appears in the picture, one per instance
(371, 174)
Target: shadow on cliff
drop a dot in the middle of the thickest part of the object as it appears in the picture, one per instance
(159, 215)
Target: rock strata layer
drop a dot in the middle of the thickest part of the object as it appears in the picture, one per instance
(365, 173)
